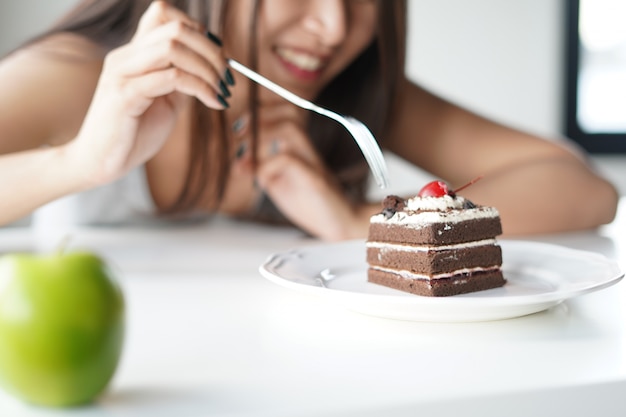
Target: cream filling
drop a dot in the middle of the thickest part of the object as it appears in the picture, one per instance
(304, 61)
(411, 275)
(385, 246)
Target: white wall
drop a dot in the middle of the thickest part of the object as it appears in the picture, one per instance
(20, 19)
(502, 58)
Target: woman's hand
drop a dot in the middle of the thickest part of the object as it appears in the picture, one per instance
(141, 90)
(295, 178)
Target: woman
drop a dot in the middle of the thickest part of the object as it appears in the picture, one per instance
(121, 85)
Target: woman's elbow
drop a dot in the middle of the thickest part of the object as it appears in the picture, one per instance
(603, 203)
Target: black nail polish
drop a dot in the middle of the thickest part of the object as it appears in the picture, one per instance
(241, 150)
(222, 101)
(229, 77)
(213, 38)
(238, 125)
(274, 147)
(225, 91)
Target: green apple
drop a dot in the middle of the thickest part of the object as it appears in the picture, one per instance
(61, 327)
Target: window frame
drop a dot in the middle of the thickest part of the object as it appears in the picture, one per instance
(607, 143)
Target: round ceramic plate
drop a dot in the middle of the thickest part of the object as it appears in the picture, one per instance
(538, 275)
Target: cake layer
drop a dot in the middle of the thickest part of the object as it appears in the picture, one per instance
(435, 233)
(430, 260)
(442, 287)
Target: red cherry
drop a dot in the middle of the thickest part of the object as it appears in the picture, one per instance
(440, 189)
(434, 189)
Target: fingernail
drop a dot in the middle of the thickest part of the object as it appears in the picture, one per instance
(274, 147)
(229, 77)
(222, 101)
(241, 150)
(214, 39)
(239, 124)
(225, 91)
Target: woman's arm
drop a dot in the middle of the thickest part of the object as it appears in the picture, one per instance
(102, 115)
(538, 186)
(34, 178)
(45, 91)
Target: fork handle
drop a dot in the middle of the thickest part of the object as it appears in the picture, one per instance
(286, 94)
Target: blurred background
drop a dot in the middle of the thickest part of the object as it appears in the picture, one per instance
(503, 59)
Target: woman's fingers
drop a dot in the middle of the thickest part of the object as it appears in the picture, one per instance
(291, 172)
(174, 38)
(307, 197)
(293, 144)
(281, 130)
(169, 47)
(142, 87)
(141, 91)
(159, 13)
(173, 65)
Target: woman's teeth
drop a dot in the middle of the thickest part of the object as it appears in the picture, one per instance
(300, 60)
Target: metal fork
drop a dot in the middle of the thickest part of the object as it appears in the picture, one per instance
(362, 135)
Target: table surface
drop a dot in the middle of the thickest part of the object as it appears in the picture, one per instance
(208, 335)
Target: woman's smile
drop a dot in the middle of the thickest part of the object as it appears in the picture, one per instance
(303, 65)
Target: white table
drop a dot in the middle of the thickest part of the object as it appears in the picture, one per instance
(208, 336)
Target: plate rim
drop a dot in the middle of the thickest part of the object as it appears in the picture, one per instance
(555, 297)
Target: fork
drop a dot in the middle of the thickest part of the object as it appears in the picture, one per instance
(361, 134)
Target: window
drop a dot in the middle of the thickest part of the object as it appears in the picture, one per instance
(596, 74)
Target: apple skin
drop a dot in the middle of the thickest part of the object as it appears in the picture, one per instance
(61, 327)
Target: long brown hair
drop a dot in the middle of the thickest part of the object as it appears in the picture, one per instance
(366, 90)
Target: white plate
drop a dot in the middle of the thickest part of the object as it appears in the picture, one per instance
(538, 275)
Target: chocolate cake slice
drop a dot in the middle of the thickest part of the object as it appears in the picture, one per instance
(435, 245)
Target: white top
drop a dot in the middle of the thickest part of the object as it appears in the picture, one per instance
(125, 202)
(122, 202)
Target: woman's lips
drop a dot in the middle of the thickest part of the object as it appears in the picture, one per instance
(303, 65)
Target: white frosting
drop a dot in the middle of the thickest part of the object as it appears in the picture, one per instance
(417, 219)
(385, 246)
(421, 211)
(435, 203)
